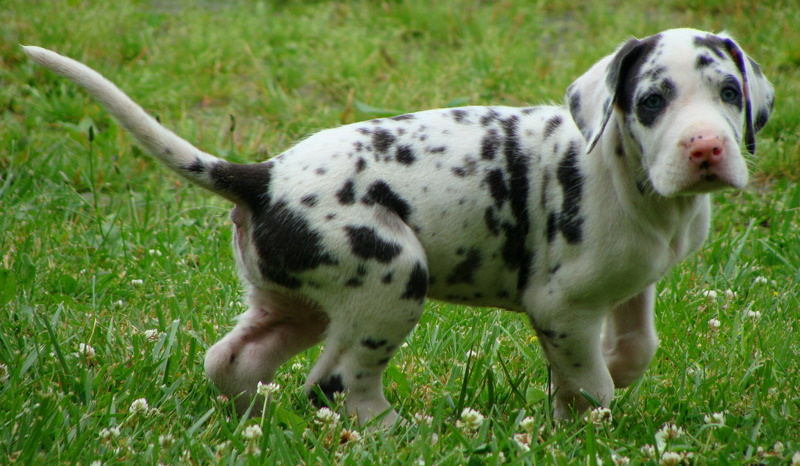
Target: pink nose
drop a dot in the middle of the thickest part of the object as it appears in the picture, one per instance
(706, 150)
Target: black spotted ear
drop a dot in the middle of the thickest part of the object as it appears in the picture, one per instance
(592, 97)
(759, 96)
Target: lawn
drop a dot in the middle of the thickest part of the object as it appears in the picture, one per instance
(116, 275)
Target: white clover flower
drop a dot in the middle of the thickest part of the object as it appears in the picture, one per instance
(421, 419)
(715, 419)
(600, 416)
(778, 448)
(470, 419)
(252, 432)
(350, 436)
(152, 335)
(754, 314)
(730, 294)
(501, 457)
(648, 451)
(137, 282)
(86, 351)
(166, 441)
(670, 458)
(523, 441)
(119, 303)
(710, 294)
(109, 433)
(154, 252)
(667, 433)
(714, 324)
(796, 459)
(4, 374)
(267, 390)
(471, 354)
(139, 406)
(761, 280)
(528, 424)
(327, 416)
(619, 460)
(96, 463)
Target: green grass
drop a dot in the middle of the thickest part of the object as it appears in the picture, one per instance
(99, 244)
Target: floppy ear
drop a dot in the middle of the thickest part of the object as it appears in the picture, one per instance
(759, 96)
(592, 97)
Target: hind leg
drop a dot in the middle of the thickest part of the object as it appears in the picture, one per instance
(370, 317)
(355, 357)
(274, 328)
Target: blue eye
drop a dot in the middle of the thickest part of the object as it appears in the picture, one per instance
(653, 102)
(729, 94)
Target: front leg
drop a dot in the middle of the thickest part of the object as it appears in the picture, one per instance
(572, 345)
(629, 339)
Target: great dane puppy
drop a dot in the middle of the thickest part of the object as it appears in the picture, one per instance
(569, 214)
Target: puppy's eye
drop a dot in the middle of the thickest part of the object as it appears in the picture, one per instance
(729, 94)
(653, 102)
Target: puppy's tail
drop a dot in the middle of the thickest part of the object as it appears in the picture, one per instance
(236, 182)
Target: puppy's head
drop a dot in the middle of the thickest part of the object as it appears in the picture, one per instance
(685, 101)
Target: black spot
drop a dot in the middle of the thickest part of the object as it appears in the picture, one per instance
(756, 68)
(552, 226)
(381, 193)
(407, 116)
(310, 200)
(354, 282)
(382, 140)
(551, 125)
(459, 115)
(624, 76)
(492, 222)
(320, 171)
(436, 150)
(364, 130)
(529, 110)
(232, 359)
(514, 251)
(372, 343)
(459, 171)
(490, 144)
(329, 388)
(417, 286)
(464, 271)
(703, 61)
(489, 117)
(388, 278)
(196, 167)
(761, 119)
(286, 245)
(347, 195)
(713, 43)
(569, 176)
(366, 244)
(405, 155)
(497, 186)
(248, 182)
(552, 270)
(360, 164)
